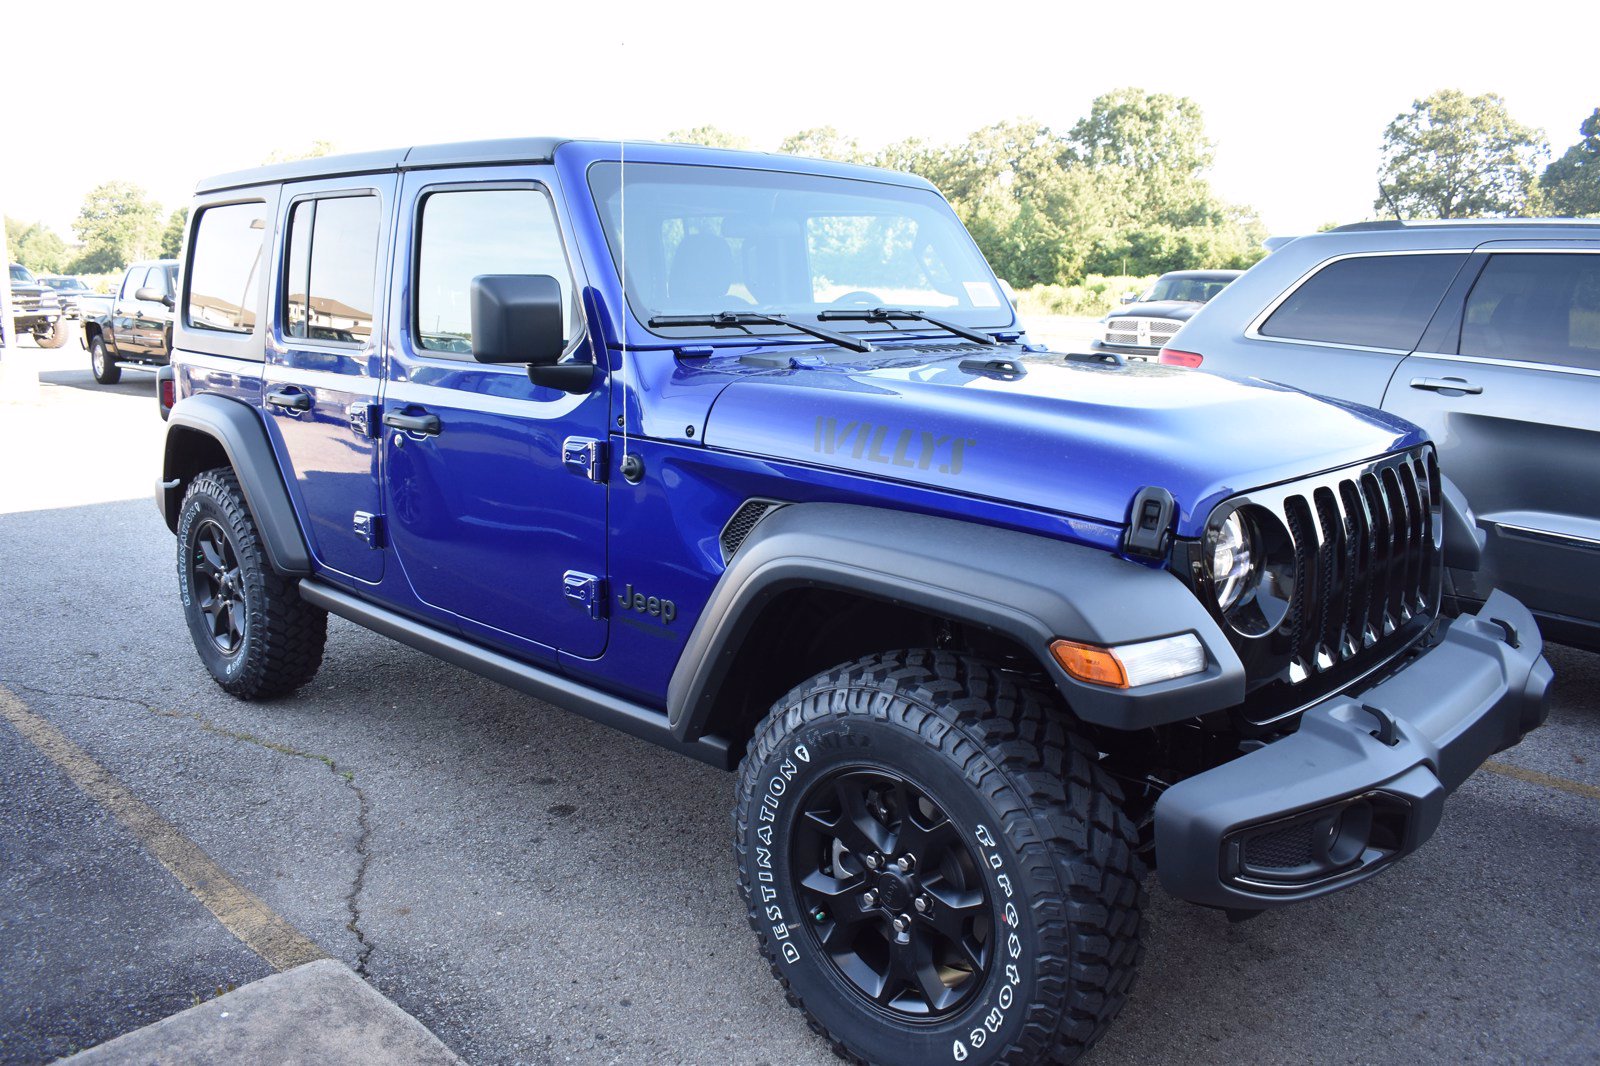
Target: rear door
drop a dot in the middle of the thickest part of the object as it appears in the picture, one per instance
(1343, 328)
(324, 363)
(489, 522)
(1514, 406)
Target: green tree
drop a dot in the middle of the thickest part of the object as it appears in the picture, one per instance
(1571, 184)
(1152, 152)
(40, 249)
(172, 236)
(1455, 156)
(117, 224)
(822, 142)
(710, 136)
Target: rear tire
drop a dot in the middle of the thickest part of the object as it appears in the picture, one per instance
(106, 371)
(254, 633)
(1014, 937)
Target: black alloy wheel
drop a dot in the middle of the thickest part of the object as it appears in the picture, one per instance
(893, 895)
(219, 586)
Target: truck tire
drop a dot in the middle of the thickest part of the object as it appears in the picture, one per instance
(54, 337)
(105, 369)
(936, 868)
(254, 633)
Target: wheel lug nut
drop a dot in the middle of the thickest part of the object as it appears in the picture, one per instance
(873, 860)
(870, 898)
(906, 863)
(902, 923)
(922, 904)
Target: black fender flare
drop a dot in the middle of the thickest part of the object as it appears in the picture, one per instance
(1030, 588)
(237, 428)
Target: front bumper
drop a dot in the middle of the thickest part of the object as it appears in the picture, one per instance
(1133, 352)
(1363, 780)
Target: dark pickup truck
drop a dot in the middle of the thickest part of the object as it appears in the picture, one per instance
(137, 334)
(37, 309)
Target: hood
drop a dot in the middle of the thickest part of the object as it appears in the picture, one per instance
(1182, 310)
(1074, 439)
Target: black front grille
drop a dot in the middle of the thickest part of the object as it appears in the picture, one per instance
(1361, 557)
(1368, 540)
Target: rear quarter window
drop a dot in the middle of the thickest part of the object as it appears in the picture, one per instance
(225, 268)
(1536, 308)
(1369, 301)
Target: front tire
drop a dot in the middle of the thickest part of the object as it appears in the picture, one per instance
(105, 369)
(254, 633)
(54, 337)
(1013, 937)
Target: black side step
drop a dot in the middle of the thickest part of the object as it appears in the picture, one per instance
(631, 718)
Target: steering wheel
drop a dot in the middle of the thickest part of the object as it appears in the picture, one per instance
(860, 297)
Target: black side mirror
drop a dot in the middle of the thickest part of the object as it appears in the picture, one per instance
(155, 296)
(521, 318)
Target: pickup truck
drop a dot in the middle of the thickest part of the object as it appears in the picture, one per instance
(137, 333)
(37, 309)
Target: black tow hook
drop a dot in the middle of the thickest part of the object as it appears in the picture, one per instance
(1512, 637)
(1387, 732)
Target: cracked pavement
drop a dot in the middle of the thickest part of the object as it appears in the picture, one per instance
(535, 888)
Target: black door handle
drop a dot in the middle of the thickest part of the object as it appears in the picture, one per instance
(1446, 385)
(292, 401)
(424, 424)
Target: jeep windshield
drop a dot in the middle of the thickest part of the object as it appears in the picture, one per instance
(708, 240)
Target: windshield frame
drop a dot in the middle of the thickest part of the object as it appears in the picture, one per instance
(1005, 318)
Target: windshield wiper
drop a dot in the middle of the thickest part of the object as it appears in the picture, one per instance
(736, 319)
(887, 314)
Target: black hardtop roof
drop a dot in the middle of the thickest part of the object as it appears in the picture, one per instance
(463, 153)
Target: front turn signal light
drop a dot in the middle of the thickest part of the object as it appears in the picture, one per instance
(1131, 665)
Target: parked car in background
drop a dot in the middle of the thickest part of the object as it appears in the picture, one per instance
(1150, 319)
(68, 290)
(37, 309)
(1484, 333)
(137, 333)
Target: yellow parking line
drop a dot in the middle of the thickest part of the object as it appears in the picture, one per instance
(1534, 777)
(241, 911)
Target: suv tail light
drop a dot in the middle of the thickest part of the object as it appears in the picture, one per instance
(1174, 357)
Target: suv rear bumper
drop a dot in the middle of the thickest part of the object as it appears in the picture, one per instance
(1363, 780)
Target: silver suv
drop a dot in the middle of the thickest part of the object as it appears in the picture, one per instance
(1486, 334)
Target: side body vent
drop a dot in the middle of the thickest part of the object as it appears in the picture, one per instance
(743, 521)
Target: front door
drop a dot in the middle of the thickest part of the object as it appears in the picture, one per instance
(324, 361)
(1515, 411)
(488, 522)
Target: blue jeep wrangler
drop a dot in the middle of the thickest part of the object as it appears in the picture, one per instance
(748, 456)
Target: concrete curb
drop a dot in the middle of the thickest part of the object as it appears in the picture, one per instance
(317, 1013)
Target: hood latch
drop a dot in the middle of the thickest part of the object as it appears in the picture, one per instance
(1149, 532)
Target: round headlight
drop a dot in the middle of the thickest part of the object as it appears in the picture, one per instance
(1232, 560)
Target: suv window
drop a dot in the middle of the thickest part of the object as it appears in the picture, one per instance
(468, 232)
(1371, 301)
(333, 269)
(1539, 308)
(225, 268)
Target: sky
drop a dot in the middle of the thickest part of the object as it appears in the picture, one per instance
(1295, 96)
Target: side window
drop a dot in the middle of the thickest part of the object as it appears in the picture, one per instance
(1538, 308)
(130, 284)
(225, 268)
(332, 269)
(467, 232)
(1373, 301)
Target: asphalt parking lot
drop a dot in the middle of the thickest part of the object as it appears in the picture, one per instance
(536, 888)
